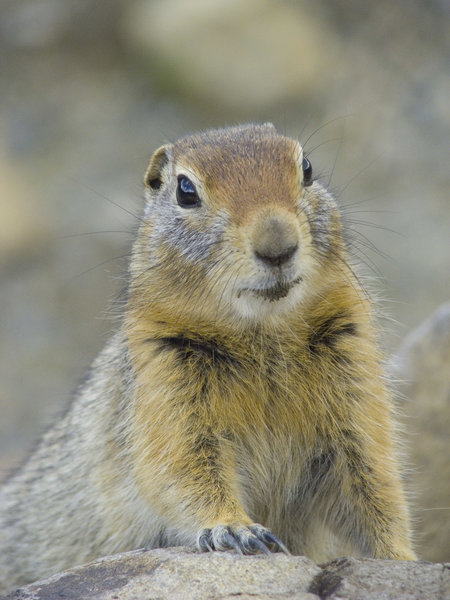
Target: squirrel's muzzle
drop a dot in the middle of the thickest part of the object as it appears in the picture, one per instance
(275, 240)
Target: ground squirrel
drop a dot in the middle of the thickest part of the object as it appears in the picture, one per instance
(241, 403)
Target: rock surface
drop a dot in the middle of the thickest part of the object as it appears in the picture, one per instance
(182, 574)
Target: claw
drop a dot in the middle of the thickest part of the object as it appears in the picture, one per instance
(273, 539)
(203, 541)
(232, 542)
(256, 542)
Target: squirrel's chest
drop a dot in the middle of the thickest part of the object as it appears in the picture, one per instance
(283, 393)
(272, 470)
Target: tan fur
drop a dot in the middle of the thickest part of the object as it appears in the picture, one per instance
(243, 387)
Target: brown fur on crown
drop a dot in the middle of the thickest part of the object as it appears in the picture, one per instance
(242, 397)
(243, 168)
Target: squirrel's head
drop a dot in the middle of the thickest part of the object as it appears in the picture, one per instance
(234, 227)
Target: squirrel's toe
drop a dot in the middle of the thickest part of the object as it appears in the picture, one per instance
(242, 539)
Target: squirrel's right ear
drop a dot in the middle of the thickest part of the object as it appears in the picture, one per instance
(154, 175)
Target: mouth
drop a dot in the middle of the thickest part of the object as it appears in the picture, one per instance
(274, 292)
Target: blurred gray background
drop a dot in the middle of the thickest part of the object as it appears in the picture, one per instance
(89, 89)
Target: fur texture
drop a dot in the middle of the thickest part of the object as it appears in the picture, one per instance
(242, 395)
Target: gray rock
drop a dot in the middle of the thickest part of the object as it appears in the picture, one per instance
(181, 573)
(368, 579)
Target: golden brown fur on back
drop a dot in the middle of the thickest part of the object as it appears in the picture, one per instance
(241, 403)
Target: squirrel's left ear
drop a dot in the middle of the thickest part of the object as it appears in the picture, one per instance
(154, 176)
(270, 126)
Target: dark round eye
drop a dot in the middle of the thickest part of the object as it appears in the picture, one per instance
(307, 172)
(186, 193)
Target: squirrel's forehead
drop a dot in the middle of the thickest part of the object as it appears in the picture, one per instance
(234, 167)
(239, 151)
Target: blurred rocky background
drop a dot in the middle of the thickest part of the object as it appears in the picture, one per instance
(89, 89)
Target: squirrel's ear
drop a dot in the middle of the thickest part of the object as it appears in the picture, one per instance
(153, 177)
(269, 126)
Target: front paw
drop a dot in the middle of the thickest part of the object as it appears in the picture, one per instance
(241, 538)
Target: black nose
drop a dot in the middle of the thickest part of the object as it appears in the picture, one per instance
(275, 257)
(275, 240)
